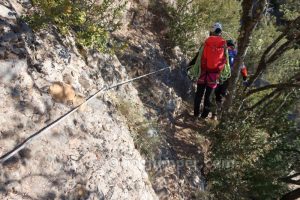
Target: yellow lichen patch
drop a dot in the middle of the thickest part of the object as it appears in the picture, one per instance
(62, 92)
(78, 100)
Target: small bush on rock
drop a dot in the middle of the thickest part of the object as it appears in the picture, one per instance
(90, 21)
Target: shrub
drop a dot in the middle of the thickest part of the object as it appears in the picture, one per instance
(253, 150)
(191, 20)
(90, 21)
(147, 134)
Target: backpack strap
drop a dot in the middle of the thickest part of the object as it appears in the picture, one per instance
(226, 72)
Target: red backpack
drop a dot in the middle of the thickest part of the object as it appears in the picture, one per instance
(214, 57)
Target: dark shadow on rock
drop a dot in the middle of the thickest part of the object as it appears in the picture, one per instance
(49, 196)
(12, 162)
(25, 153)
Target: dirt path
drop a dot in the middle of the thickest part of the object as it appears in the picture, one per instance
(178, 169)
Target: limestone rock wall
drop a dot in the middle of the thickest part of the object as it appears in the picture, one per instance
(90, 155)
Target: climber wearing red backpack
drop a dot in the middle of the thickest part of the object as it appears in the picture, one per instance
(221, 89)
(213, 60)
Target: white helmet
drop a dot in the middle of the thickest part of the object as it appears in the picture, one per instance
(216, 26)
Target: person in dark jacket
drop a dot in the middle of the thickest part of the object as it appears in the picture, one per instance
(221, 90)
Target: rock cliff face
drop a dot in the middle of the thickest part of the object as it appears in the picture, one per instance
(92, 154)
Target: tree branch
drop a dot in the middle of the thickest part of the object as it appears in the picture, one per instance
(251, 15)
(265, 98)
(290, 180)
(272, 86)
(284, 47)
(292, 35)
(293, 195)
(284, 101)
(291, 150)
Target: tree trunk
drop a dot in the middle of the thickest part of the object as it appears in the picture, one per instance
(252, 14)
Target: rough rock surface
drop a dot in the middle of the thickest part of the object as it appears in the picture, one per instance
(90, 155)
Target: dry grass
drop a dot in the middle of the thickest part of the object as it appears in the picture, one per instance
(144, 132)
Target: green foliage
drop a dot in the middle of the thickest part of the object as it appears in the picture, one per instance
(290, 8)
(285, 67)
(146, 138)
(191, 20)
(282, 68)
(265, 34)
(146, 143)
(262, 37)
(263, 144)
(90, 21)
(252, 150)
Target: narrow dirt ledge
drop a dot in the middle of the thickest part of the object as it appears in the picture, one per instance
(176, 165)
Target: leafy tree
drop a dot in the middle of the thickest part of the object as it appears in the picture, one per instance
(256, 146)
(256, 133)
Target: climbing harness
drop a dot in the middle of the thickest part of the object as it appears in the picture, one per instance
(23, 144)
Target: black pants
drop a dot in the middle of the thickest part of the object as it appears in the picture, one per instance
(220, 92)
(202, 89)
